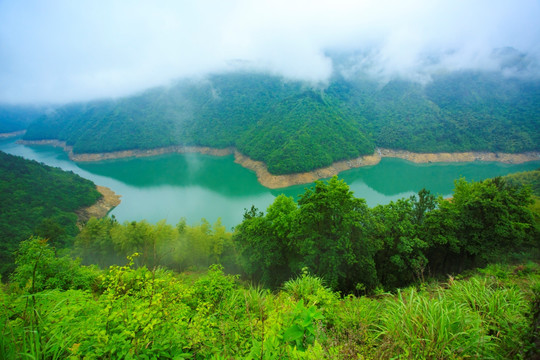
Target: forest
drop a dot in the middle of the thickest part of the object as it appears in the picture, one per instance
(296, 127)
(324, 276)
(36, 199)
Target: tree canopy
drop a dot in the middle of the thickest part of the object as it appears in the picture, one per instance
(36, 199)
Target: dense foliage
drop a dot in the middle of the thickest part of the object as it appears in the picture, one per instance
(336, 236)
(106, 242)
(53, 307)
(139, 313)
(40, 200)
(526, 178)
(295, 127)
(355, 248)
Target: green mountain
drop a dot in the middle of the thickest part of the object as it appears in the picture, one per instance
(17, 117)
(36, 199)
(295, 127)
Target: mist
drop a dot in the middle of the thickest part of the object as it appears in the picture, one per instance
(60, 51)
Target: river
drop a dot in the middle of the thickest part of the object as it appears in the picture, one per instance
(196, 186)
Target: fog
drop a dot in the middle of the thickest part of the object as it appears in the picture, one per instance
(60, 50)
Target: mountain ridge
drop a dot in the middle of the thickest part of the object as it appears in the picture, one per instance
(294, 128)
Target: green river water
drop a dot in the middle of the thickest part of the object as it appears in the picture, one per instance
(197, 186)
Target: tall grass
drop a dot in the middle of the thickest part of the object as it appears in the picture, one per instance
(485, 316)
(503, 310)
(414, 325)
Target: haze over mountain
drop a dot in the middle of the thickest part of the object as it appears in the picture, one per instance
(60, 51)
(296, 128)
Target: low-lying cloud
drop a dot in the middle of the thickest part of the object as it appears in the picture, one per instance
(61, 50)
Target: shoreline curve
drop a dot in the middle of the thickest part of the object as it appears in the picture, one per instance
(271, 181)
(11, 134)
(108, 201)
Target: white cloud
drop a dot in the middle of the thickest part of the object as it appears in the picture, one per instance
(61, 50)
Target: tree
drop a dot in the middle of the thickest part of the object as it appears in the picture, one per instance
(263, 242)
(494, 218)
(331, 234)
(483, 221)
(94, 244)
(401, 258)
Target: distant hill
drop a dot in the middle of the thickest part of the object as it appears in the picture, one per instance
(36, 199)
(17, 117)
(295, 127)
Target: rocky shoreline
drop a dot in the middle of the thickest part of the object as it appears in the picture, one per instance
(11, 134)
(100, 208)
(279, 181)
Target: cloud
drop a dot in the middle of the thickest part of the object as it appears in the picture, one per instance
(61, 50)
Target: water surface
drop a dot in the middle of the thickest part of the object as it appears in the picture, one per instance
(196, 186)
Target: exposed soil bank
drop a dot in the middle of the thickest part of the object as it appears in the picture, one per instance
(280, 181)
(100, 208)
(460, 157)
(11, 134)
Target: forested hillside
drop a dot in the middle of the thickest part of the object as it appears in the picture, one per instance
(36, 199)
(16, 118)
(295, 127)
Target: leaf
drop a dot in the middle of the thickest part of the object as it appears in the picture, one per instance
(293, 333)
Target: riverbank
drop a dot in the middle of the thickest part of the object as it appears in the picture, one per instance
(279, 181)
(12, 134)
(100, 208)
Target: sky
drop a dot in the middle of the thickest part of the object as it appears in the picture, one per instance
(58, 51)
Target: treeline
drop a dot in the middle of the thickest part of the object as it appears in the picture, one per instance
(106, 242)
(54, 308)
(294, 127)
(36, 199)
(355, 249)
(526, 178)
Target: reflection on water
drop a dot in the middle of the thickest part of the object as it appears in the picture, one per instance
(395, 176)
(195, 186)
(182, 170)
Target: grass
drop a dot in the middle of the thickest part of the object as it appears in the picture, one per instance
(483, 315)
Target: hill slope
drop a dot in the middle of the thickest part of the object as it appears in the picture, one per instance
(293, 127)
(38, 199)
(17, 118)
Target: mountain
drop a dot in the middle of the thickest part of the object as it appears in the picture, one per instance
(17, 117)
(295, 127)
(36, 199)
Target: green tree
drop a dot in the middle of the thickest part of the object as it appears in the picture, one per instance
(332, 236)
(38, 268)
(484, 221)
(401, 258)
(94, 243)
(263, 242)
